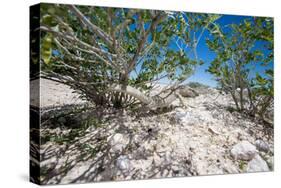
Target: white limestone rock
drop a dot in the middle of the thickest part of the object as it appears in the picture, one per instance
(257, 164)
(243, 151)
(118, 142)
(123, 163)
(262, 146)
(186, 91)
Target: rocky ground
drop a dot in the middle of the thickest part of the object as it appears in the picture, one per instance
(205, 137)
(52, 94)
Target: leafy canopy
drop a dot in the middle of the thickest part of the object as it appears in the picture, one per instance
(239, 51)
(104, 46)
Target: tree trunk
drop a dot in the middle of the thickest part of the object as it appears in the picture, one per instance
(150, 102)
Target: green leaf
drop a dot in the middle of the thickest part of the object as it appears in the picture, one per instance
(48, 20)
(269, 73)
(46, 48)
(260, 80)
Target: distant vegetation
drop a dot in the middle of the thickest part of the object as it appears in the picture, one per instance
(197, 85)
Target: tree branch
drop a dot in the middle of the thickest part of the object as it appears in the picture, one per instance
(141, 43)
(75, 39)
(81, 43)
(92, 26)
